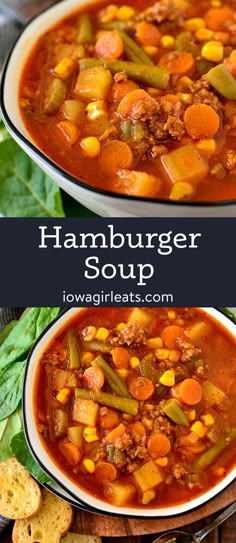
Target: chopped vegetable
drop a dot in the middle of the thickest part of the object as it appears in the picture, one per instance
(190, 391)
(54, 96)
(170, 334)
(173, 410)
(133, 52)
(93, 378)
(105, 472)
(109, 45)
(154, 76)
(115, 155)
(119, 493)
(113, 380)
(71, 452)
(178, 63)
(210, 455)
(126, 405)
(185, 164)
(201, 121)
(222, 80)
(148, 34)
(73, 349)
(93, 82)
(148, 476)
(85, 410)
(141, 388)
(212, 394)
(158, 445)
(85, 34)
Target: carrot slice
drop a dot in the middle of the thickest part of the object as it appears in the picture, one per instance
(109, 420)
(120, 357)
(138, 428)
(201, 121)
(109, 45)
(141, 388)
(71, 452)
(148, 34)
(126, 105)
(178, 62)
(115, 155)
(170, 334)
(69, 132)
(216, 17)
(158, 445)
(119, 90)
(114, 434)
(190, 391)
(93, 378)
(105, 472)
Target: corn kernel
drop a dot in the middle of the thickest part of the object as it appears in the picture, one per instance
(174, 355)
(65, 68)
(168, 378)
(88, 465)
(134, 362)
(86, 358)
(181, 190)
(148, 496)
(95, 110)
(125, 416)
(91, 146)
(208, 419)
(78, 51)
(194, 24)
(123, 373)
(64, 395)
(207, 146)
(213, 50)
(120, 326)
(167, 41)
(162, 354)
(180, 322)
(162, 461)
(223, 37)
(185, 97)
(125, 13)
(171, 315)
(199, 429)
(151, 50)
(102, 334)
(155, 343)
(216, 3)
(204, 34)
(148, 423)
(183, 83)
(149, 406)
(89, 333)
(90, 434)
(191, 415)
(109, 14)
(154, 92)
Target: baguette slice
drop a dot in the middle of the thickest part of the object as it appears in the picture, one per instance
(48, 525)
(20, 495)
(80, 538)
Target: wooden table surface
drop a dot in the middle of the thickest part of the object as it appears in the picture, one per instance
(226, 533)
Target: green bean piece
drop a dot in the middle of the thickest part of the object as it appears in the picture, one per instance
(133, 51)
(85, 34)
(113, 380)
(73, 349)
(211, 454)
(223, 82)
(153, 76)
(126, 126)
(138, 131)
(126, 405)
(203, 66)
(175, 413)
(55, 95)
(183, 42)
(98, 346)
(148, 370)
(118, 25)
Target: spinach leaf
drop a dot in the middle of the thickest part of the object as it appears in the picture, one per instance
(20, 450)
(24, 334)
(6, 331)
(8, 428)
(228, 313)
(25, 190)
(11, 388)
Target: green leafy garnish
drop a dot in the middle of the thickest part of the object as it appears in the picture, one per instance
(11, 388)
(228, 313)
(8, 428)
(21, 451)
(24, 334)
(6, 331)
(25, 190)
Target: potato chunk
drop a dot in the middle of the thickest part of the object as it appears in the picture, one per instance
(185, 164)
(85, 412)
(148, 476)
(141, 316)
(119, 493)
(93, 83)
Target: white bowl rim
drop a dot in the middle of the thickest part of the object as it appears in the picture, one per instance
(49, 162)
(83, 498)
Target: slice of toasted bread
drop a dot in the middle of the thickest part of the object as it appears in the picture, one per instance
(80, 538)
(48, 525)
(20, 495)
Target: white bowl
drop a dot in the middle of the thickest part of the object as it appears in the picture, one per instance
(78, 495)
(104, 203)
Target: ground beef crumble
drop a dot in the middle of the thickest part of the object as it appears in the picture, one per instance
(131, 334)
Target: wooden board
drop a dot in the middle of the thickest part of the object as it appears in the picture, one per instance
(88, 523)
